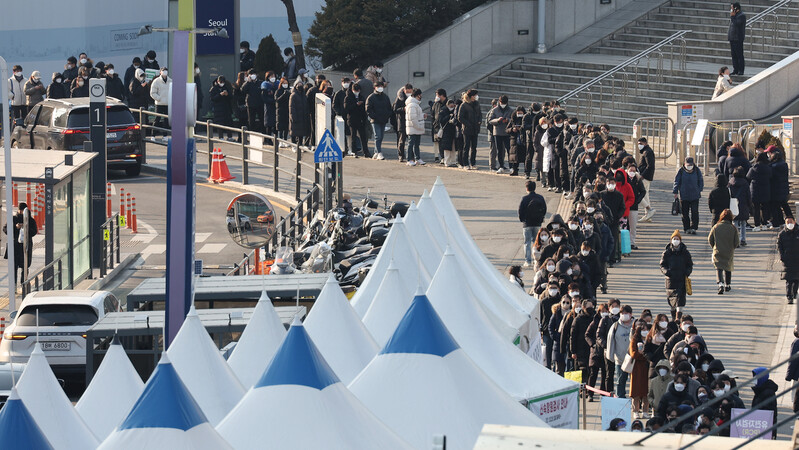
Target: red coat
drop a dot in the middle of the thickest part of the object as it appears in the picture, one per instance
(627, 191)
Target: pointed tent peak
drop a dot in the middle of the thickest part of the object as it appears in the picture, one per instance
(14, 394)
(419, 290)
(192, 312)
(116, 340)
(426, 194)
(413, 206)
(18, 427)
(37, 349)
(165, 403)
(264, 297)
(448, 251)
(298, 362)
(331, 280)
(421, 331)
(392, 265)
(438, 181)
(296, 322)
(164, 359)
(397, 219)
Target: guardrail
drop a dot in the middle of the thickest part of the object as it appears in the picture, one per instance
(111, 244)
(706, 152)
(290, 166)
(619, 77)
(656, 131)
(768, 26)
(53, 275)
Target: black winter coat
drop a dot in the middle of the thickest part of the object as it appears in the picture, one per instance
(221, 105)
(737, 30)
(788, 247)
(57, 90)
(545, 309)
(672, 397)
(299, 119)
(139, 95)
(282, 101)
(268, 97)
(577, 343)
(719, 198)
(470, 118)
(739, 189)
(114, 87)
(779, 181)
(80, 91)
(252, 94)
(759, 177)
(445, 118)
(356, 114)
(637, 184)
(378, 108)
(646, 165)
(602, 334)
(514, 129)
(597, 357)
(676, 264)
(793, 366)
(736, 159)
(615, 201)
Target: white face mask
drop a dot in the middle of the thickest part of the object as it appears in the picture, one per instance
(614, 310)
(573, 293)
(719, 393)
(253, 77)
(726, 388)
(790, 226)
(589, 227)
(18, 74)
(590, 149)
(476, 97)
(573, 127)
(544, 238)
(705, 367)
(726, 76)
(272, 79)
(611, 187)
(585, 252)
(631, 173)
(679, 387)
(675, 242)
(545, 126)
(556, 239)
(58, 80)
(689, 167)
(685, 327)
(569, 271)
(164, 74)
(519, 114)
(663, 324)
(644, 333)
(566, 306)
(604, 314)
(379, 89)
(625, 317)
(345, 85)
(590, 209)
(578, 309)
(553, 292)
(378, 70)
(81, 82)
(285, 85)
(573, 226)
(641, 146)
(150, 60)
(559, 125)
(503, 105)
(663, 372)
(83, 60)
(242, 50)
(550, 268)
(197, 71)
(110, 71)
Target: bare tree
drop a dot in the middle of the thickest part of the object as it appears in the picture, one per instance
(295, 34)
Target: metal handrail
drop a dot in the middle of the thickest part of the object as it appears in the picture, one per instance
(632, 60)
(771, 9)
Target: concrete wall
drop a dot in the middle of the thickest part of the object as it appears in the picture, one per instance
(493, 29)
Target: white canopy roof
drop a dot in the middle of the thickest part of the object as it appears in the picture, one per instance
(426, 244)
(165, 416)
(258, 343)
(18, 430)
(300, 404)
(399, 247)
(339, 333)
(391, 301)
(50, 407)
(517, 374)
(203, 370)
(112, 392)
(422, 384)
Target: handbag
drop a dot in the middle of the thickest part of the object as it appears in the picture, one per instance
(734, 206)
(688, 289)
(675, 207)
(440, 133)
(628, 363)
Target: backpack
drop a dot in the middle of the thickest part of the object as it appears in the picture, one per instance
(536, 210)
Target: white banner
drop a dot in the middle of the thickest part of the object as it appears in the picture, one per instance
(559, 410)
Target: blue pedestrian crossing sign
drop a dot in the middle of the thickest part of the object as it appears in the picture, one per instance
(328, 150)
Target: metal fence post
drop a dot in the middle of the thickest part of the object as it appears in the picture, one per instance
(244, 164)
(297, 174)
(276, 174)
(210, 135)
(104, 257)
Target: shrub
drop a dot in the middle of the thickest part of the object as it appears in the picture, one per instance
(268, 56)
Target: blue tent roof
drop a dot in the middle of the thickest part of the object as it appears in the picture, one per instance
(165, 403)
(298, 362)
(18, 429)
(421, 331)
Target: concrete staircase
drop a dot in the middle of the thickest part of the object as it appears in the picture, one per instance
(550, 76)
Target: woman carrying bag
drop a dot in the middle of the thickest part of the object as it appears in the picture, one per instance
(724, 239)
(639, 372)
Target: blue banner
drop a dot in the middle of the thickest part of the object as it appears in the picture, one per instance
(216, 13)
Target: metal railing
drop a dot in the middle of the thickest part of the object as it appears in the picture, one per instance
(625, 75)
(111, 244)
(769, 25)
(53, 275)
(656, 131)
(715, 134)
(290, 166)
(287, 232)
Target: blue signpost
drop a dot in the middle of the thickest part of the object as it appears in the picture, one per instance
(328, 150)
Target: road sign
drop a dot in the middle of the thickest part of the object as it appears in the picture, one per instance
(327, 150)
(98, 134)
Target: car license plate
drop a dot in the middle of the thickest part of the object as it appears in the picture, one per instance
(57, 346)
(110, 135)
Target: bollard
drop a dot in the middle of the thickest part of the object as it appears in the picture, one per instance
(108, 203)
(28, 196)
(2, 326)
(15, 195)
(127, 209)
(122, 201)
(133, 226)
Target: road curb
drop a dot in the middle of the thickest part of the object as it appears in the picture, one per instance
(124, 264)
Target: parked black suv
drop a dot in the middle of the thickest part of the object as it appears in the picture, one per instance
(63, 124)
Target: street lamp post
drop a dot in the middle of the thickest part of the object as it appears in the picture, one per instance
(6, 114)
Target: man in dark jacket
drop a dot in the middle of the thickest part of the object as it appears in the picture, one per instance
(530, 125)
(579, 349)
(603, 329)
(71, 70)
(246, 56)
(338, 109)
(221, 94)
(113, 84)
(254, 100)
(20, 248)
(299, 120)
(780, 190)
(646, 167)
(439, 104)
(793, 368)
(765, 391)
(735, 35)
(150, 62)
(355, 107)
(470, 118)
(379, 110)
(788, 246)
(532, 211)
(130, 73)
(737, 158)
(57, 89)
(399, 115)
(688, 185)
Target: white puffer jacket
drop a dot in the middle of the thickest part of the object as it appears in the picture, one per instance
(414, 117)
(159, 90)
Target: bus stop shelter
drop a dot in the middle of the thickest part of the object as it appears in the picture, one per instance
(61, 201)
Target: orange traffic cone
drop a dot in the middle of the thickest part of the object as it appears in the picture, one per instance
(219, 170)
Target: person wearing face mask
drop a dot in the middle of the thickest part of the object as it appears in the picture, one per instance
(246, 56)
(676, 394)
(282, 96)
(759, 177)
(587, 147)
(439, 102)
(639, 191)
(659, 384)
(688, 185)
(575, 232)
(253, 101)
(556, 151)
(617, 204)
(80, 87)
(414, 126)
(139, 91)
(548, 298)
(149, 61)
(532, 211)
(539, 147)
(113, 84)
(626, 191)
(159, 91)
(723, 83)
(379, 110)
(603, 329)
(606, 250)
(618, 344)
(596, 359)
(221, 97)
(565, 332)
(268, 88)
(130, 75)
(446, 118)
(780, 188)
(518, 147)
(639, 377)
(646, 170)
(590, 259)
(557, 240)
(340, 111)
(540, 242)
(765, 390)
(579, 348)
(724, 239)
(355, 106)
(530, 127)
(71, 70)
(788, 247)
(586, 169)
(499, 117)
(676, 264)
(546, 269)
(299, 116)
(34, 89)
(57, 89)
(559, 314)
(16, 93)
(736, 34)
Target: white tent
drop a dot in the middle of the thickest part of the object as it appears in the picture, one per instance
(426, 244)
(391, 301)
(51, 409)
(258, 343)
(165, 417)
(399, 247)
(299, 403)
(339, 333)
(112, 392)
(423, 384)
(18, 430)
(512, 370)
(203, 370)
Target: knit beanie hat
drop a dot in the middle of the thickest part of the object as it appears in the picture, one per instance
(676, 234)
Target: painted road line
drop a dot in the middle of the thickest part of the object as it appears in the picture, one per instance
(212, 248)
(201, 237)
(154, 249)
